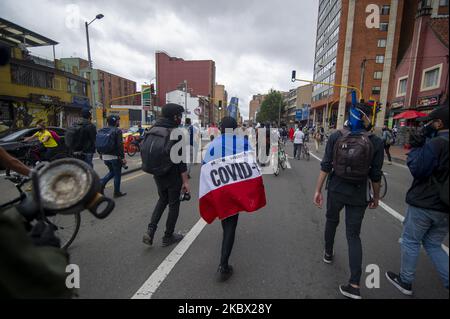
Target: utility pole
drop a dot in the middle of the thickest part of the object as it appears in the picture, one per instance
(363, 70)
(279, 111)
(185, 96)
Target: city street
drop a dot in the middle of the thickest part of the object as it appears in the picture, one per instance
(277, 253)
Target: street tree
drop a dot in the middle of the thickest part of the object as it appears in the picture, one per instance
(270, 107)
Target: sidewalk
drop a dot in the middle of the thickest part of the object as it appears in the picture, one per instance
(399, 154)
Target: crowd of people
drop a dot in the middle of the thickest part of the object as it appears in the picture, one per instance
(353, 157)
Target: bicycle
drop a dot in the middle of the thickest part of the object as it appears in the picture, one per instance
(305, 152)
(45, 207)
(282, 158)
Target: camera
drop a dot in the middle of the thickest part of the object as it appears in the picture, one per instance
(185, 197)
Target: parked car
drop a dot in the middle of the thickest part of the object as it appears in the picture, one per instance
(13, 143)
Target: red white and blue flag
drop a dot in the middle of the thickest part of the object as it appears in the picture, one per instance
(230, 179)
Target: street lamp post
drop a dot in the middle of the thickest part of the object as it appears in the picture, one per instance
(91, 80)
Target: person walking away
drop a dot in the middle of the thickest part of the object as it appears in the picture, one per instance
(352, 156)
(225, 200)
(427, 219)
(388, 140)
(109, 144)
(291, 134)
(171, 178)
(188, 126)
(299, 137)
(317, 139)
(80, 138)
(49, 146)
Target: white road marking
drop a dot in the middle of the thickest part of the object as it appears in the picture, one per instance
(387, 208)
(159, 275)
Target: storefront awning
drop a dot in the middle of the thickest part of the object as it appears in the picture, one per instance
(14, 34)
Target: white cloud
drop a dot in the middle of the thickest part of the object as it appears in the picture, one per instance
(255, 44)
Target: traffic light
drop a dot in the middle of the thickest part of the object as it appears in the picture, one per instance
(294, 75)
(220, 105)
(104, 113)
(152, 89)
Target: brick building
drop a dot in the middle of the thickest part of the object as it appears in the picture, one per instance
(350, 53)
(171, 72)
(255, 106)
(422, 75)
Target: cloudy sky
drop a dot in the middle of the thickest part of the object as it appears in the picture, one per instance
(255, 43)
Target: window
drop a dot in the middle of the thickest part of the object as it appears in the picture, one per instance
(382, 43)
(30, 77)
(385, 10)
(401, 86)
(384, 26)
(378, 75)
(379, 59)
(443, 3)
(431, 78)
(376, 90)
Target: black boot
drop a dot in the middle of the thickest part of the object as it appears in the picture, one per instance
(149, 235)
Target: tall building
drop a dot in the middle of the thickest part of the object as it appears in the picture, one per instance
(107, 87)
(172, 72)
(298, 99)
(422, 75)
(255, 106)
(352, 49)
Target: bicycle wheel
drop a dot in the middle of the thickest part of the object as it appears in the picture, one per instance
(67, 227)
(132, 150)
(283, 161)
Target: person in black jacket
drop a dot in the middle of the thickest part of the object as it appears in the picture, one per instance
(116, 159)
(89, 132)
(427, 219)
(170, 186)
(352, 195)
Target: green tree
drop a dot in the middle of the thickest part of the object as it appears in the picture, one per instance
(270, 107)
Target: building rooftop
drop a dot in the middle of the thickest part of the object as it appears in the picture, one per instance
(440, 29)
(14, 34)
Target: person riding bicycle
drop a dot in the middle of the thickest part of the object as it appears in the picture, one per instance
(49, 145)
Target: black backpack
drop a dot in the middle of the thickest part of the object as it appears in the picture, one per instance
(352, 155)
(105, 141)
(155, 151)
(74, 137)
(443, 185)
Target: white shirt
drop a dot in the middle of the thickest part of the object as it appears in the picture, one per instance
(298, 137)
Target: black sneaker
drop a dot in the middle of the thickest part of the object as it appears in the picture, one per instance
(350, 292)
(404, 288)
(117, 195)
(328, 259)
(225, 272)
(148, 237)
(175, 238)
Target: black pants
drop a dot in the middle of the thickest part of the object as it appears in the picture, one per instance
(229, 230)
(388, 153)
(297, 150)
(353, 220)
(169, 194)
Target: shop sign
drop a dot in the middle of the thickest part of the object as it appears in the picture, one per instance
(80, 101)
(397, 104)
(44, 99)
(428, 101)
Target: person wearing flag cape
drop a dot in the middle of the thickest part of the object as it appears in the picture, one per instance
(230, 183)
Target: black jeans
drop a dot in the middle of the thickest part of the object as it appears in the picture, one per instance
(229, 230)
(353, 220)
(169, 192)
(297, 150)
(388, 153)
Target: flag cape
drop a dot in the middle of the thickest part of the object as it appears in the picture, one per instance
(230, 179)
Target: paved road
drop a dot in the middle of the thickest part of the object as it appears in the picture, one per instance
(277, 253)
